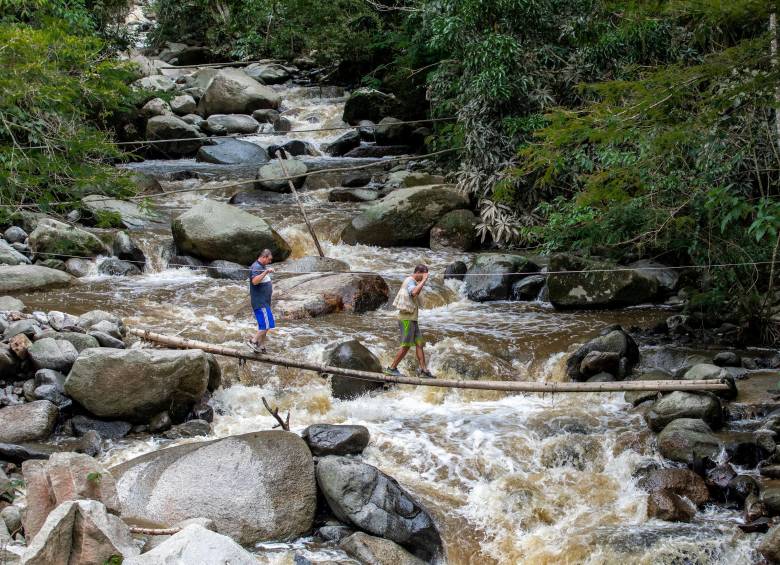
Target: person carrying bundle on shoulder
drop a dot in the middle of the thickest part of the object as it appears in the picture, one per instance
(407, 303)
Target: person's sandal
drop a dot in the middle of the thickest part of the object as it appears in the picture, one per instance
(256, 348)
(392, 372)
(425, 374)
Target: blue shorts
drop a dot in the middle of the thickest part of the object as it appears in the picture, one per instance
(265, 318)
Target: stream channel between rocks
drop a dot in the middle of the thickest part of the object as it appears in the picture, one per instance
(508, 478)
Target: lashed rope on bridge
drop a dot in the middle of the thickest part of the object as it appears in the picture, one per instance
(505, 386)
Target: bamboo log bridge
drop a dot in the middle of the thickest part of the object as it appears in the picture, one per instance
(507, 386)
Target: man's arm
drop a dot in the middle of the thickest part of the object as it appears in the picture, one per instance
(259, 278)
(418, 289)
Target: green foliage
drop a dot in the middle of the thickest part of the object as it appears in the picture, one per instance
(59, 93)
(114, 560)
(95, 477)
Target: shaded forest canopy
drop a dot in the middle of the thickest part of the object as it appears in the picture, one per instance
(623, 129)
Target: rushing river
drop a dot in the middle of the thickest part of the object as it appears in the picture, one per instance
(509, 478)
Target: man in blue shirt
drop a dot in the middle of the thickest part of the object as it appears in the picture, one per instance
(260, 292)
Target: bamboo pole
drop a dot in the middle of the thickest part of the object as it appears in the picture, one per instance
(282, 159)
(508, 386)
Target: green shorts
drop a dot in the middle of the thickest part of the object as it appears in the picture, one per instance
(410, 333)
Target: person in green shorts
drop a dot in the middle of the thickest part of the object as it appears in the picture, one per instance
(408, 309)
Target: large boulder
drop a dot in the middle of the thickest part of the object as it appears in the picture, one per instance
(268, 73)
(329, 439)
(232, 91)
(27, 422)
(405, 217)
(368, 104)
(352, 355)
(608, 286)
(455, 230)
(183, 105)
(682, 482)
(310, 296)
(224, 124)
(48, 353)
(636, 397)
(377, 551)
(80, 531)
(136, 384)
(666, 505)
(770, 545)
(255, 487)
(666, 277)
(232, 152)
(25, 278)
(613, 340)
(688, 440)
(172, 128)
(52, 237)
(214, 230)
(131, 214)
(363, 495)
(10, 256)
(195, 544)
(679, 404)
(272, 176)
(64, 477)
(392, 131)
(343, 144)
(314, 264)
(492, 276)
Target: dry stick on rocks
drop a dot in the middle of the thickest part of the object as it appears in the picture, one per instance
(282, 159)
(284, 424)
(154, 531)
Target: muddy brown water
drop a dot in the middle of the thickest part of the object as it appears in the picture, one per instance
(508, 478)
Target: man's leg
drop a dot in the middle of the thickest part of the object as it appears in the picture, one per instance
(399, 356)
(260, 338)
(421, 357)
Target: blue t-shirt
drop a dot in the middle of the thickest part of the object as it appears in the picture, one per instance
(260, 294)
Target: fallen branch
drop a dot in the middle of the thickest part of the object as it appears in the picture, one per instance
(284, 424)
(154, 531)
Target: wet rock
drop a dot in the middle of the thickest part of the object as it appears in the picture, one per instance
(266, 488)
(391, 131)
(377, 551)
(356, 179)
(118, 268)
(50, 393)
(293, 148)
(11, 304)
(268, 73)
(528, 288)
(27, 422)
(456, 270)
(80, 531)
(232, 152)
(314, 264)
(26, 326)
(9, 362)
(770, 545)
(666, 277)
(172, 127)
(328, 439)
(195, 544)
(52, 237)
(455, 230)
(282, 124)
(266, 115)
(368, 104)
(184, 262)
(194, 120)
(362, 495)
(603, 288)
(688, 440)
(727, 359)
(213, 230)
(602, 378)
(770, 497)
(183, 104)
(78, 267)
(343, 144)
(89, 319)
(353, 195)
(352, 355)
(366, 129)
(570, 450)
(131, 214)
(136, 384)
(220, 269)
(682, 482)
(17, 454)
(127, 250)
(27, 278)
(492, 276)
(668, 506)
(232, 91)
(146, 184)
(215, 373)
(190, 428)
(371, 151)
(740, 488)
(679, 404)
(12, 517)
(60, 321)
(749, 448)
(705, 371)
(600, 362)
(19, 344)
(64, 477)
(314, 295)
(226, 124)
(272, 176)
(613, 340)
(405, 217)
(160, 422)
(15, 234)
(155, 107)
(115, 429)
(10, 256)
(106, 340)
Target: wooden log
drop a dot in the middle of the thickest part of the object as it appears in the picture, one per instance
(507, 386)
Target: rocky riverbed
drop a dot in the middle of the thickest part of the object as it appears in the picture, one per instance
(103, 437)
